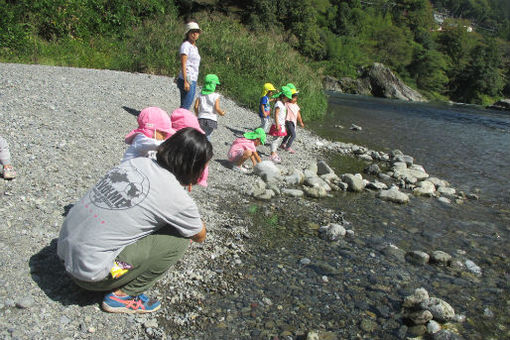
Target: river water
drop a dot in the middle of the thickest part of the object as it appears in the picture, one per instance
(350, 289)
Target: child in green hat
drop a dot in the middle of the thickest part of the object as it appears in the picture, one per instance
(245, 147)
(207, 105)
(278, 128)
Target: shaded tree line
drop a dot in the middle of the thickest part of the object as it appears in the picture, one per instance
(336, 36)
(340, 36)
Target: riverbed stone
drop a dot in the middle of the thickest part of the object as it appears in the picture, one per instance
(440, 257)
(292, 192)
(424, 188)
(315, 192)
(419, 295)
(444, 200)
(399, 166)
(296, 177)
(317, 182)
(420, 317)
(368, 325)
(438, 182)
(376, 185)
(473, 267)
(433, 327)
(393, 194)
(417, 330)
(323, 168)
(354, 182)
(366, 157)
(393, 251)
(267, 170)
(445, 334)
(441, 310)
(373, 169)
(417, 257)
(334, 232)
(330, 178)
(446, 191)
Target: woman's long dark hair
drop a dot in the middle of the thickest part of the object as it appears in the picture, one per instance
(185, 154)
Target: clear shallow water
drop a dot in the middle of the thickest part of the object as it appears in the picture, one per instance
(464, 145)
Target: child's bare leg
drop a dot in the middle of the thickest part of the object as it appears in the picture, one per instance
(246, 154)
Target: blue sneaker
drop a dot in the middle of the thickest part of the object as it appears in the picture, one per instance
(130, 304)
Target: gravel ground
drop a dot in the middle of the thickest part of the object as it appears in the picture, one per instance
(65, 128)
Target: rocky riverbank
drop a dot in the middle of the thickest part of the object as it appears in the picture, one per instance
(65, 127)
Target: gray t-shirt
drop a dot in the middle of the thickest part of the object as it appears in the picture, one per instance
(131, 201)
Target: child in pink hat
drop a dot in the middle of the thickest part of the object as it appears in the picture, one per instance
(154, 127)
(182, 118)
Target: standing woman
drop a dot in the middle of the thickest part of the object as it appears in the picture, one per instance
(190, 63)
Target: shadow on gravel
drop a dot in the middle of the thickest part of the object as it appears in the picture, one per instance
(237, 133)
(134, 112)
(49, 273)
(67, 208)
(225, 163)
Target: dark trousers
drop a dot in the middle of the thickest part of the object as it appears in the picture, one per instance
(291, 133)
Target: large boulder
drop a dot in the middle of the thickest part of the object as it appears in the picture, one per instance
(503, 105)
(376, 80)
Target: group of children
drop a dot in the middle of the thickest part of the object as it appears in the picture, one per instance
(137, 221)
(281, 127)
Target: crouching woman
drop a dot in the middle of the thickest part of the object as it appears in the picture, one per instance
(135, 223)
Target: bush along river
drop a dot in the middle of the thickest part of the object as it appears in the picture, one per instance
(432, 267)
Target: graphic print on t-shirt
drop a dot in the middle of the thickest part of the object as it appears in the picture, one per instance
(121, 188)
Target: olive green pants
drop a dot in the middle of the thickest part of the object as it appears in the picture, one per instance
(150, 257)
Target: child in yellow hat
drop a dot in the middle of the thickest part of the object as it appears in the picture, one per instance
(265, 106)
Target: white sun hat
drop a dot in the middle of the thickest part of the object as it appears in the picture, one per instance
(192, 26)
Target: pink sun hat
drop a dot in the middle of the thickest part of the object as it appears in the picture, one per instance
(182, 118)
(149, 120)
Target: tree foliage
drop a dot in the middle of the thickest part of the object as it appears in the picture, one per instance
(337, 37)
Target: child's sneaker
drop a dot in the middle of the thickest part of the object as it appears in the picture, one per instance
(290, 150)
(130, 304)
(240, 169)
(275, 158)
(8, 172)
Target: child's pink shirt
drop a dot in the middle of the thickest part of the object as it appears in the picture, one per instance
(238, 147)
(292, 112)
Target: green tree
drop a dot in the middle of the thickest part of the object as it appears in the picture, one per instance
(429, 70)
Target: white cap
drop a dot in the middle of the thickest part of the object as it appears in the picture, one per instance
(192, 26)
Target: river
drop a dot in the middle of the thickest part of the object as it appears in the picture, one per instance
(293, 281)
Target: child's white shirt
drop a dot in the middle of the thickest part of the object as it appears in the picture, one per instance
(142, 146)
(206, 108)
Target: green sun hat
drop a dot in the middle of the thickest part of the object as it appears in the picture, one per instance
(292, 88)
(285, 91)
(210, 82)
(258, 133)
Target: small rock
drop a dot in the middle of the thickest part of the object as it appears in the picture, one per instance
(473, 268)
(25, 302)
(440, 257)
(418, 257)
(393, 195)
(305, 261)
(440, 309)
(419, 295)
(420, 317)
(433, 327)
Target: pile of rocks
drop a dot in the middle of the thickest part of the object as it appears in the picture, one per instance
(402, 179)
(429, 315)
